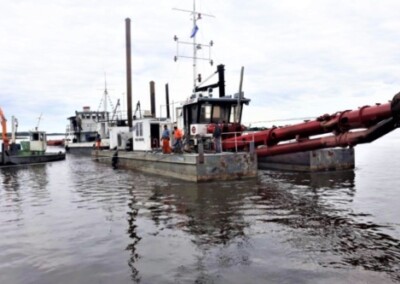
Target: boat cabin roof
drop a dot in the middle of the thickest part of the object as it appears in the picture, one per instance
(228, 100)
(90, 115)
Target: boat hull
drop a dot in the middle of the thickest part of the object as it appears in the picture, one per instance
(331, 159)
(32, 158)
(83, 148)
(190, 167)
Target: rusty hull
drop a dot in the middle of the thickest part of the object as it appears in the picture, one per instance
(222, 166)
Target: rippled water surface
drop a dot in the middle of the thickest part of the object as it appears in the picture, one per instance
(78, 221)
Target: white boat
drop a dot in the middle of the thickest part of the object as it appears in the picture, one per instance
(85, 126)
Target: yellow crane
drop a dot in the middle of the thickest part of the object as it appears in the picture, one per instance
(3, 122)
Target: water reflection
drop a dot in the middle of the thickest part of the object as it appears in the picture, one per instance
(95, 224)
(313, 211)
(207, 214)
(10, 195)
(14, 176)
(31, 180)
(211, 210)
(9, 178)
(134, 256)
(317, 209)
(37, 175)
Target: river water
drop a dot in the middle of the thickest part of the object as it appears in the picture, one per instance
(78, 221)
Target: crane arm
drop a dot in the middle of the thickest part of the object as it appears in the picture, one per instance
(3, 122)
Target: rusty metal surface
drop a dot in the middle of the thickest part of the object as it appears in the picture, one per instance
(223, 166)
(332, 159)
(318, 160)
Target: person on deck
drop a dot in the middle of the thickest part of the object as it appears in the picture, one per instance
(178, 140)
(217, 138)
(98, 141)
(165, 141)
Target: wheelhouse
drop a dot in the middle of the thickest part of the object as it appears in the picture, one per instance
(202, 111)
(213, 110)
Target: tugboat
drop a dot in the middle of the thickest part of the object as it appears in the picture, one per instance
(198, 162)
(32, 151)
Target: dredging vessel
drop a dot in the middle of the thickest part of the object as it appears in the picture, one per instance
(325, 143)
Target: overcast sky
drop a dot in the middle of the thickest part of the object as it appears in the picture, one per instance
(301, 58)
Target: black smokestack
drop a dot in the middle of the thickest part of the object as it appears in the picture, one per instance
(153, 99)
(167, 99)
(128, 70)
(221, 80)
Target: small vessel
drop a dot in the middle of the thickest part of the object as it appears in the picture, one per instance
(27, 152)
(83, 129)
(87, 126)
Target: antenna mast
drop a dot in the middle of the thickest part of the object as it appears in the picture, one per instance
(106, 98)
(196, 16)
(194, 31)
(105, 92)
(39, 119)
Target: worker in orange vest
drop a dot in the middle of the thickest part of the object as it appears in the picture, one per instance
(178, 140)
(165, 138)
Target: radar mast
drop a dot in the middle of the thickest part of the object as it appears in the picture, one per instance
(196, 16)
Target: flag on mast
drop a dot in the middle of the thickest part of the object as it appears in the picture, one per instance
(194, 31)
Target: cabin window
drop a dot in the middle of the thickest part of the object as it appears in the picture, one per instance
(233, 114)
(119, 139)
(225, 112)
(216, 114)
(35, 137)
(193, 114)
(139, 129)
(220, 114)
(205, 114)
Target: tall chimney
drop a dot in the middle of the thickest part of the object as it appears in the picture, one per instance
(153, 99)
(128, 70)
(221, 80)
(167, 100)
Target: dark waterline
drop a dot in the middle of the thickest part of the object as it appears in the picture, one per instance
(77, 221)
